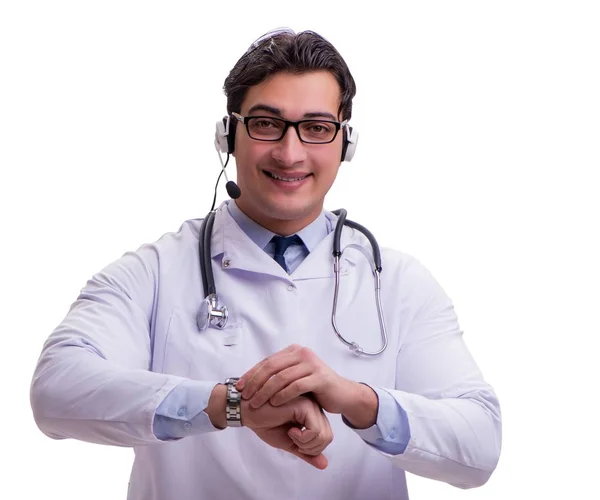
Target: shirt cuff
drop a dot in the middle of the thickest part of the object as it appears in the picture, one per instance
(391, 432)
(182, 414)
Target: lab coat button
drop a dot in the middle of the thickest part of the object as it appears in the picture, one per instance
(226, 263)
(181, 411)
(290, 288)
(393, 433)
(187, 426)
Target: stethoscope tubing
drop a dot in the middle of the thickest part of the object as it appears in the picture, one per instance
(337, 253)
(211, 309)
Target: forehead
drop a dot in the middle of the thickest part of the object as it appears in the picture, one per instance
(296, 94)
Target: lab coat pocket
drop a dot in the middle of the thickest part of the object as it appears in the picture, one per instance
(212, 354)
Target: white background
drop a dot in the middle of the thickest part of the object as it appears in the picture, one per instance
(478, 154)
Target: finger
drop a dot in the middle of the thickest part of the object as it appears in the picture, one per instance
(319, 461)
(311, 443)
(257, 376)
(311, 416)
(296, 388)
(320, 442)
(302, 438)
(314, 446)
(314, 450)
(278, 382)
(241, 383)
(270, 367)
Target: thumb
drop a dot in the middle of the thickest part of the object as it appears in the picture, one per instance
(320, 461)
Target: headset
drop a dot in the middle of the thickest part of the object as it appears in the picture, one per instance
(225, 139)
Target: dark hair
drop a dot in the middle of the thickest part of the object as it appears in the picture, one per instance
(280, 51)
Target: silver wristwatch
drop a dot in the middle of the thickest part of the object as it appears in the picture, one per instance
(233, 407)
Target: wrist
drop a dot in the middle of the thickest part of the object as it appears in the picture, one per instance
(216, 406)
(254, 418)
(363, 409)
(246, 413)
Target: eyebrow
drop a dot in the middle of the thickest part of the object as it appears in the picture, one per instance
(277, 112)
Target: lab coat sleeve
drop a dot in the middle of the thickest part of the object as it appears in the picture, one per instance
(181, 414)
(391, 432)
(93, 381)
(453, 414)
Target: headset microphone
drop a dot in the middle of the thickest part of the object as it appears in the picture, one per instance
(222, 145)
(233, 190)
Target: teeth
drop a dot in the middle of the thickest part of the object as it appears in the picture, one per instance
(285, 179)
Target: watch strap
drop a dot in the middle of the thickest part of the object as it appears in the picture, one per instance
(233, 405)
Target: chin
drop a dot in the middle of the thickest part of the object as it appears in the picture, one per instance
(291, 209)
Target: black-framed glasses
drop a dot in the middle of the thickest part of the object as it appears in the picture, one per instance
(268, 128)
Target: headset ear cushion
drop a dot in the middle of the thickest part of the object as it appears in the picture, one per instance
(225, 135)
(231, 135)
(221, 137)
(350, 141)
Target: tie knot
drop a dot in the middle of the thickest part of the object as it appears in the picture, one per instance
(283, 242)
(281, 245)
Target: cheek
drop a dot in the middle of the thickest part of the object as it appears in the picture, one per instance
(333, 155)
(328, 164)
(245, 158)
(250, 155)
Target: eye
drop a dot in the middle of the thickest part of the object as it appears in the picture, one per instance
(318, 131)
(318, 128)
(265, 128)
(263, 123)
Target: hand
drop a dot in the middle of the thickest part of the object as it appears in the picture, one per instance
(298, 427)
(293, 372)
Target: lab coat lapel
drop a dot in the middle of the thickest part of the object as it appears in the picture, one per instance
(233, 249)
(319, 262)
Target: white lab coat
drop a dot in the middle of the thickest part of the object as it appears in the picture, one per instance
(131, 337)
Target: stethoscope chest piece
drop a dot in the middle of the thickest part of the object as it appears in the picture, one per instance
(211, 313)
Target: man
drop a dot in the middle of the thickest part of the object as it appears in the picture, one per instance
(135, 363)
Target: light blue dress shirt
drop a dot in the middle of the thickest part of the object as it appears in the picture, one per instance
(181, 412)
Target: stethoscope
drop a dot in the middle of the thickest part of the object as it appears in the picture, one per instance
(213, 313)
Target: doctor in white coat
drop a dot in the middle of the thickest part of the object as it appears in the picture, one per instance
(131, 364)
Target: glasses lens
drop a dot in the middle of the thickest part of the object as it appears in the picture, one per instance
(265, 129)
(317, 131)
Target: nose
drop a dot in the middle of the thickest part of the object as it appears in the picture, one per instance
(290, 150)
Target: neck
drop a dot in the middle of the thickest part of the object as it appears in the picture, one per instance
(282, 227)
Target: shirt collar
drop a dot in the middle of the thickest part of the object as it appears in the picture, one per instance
(310, 235)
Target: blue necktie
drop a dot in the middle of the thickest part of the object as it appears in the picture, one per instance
(281, 245)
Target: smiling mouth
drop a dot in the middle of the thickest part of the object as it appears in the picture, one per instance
(286, 179)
